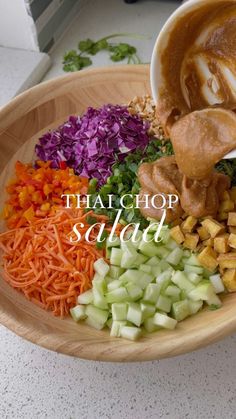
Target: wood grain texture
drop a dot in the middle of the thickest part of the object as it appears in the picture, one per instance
(22, 121)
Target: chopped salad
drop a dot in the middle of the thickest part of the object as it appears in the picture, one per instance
(132, 286)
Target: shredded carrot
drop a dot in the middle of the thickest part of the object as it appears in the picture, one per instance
(40, 261)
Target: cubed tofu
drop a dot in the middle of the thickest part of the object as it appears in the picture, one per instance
(213, 227)
(221, 244)
(226, 206)
(208, 258)
(203, 233)
(232, 219)
(222, 216)
(177, 234)
(232, 240)
(229, 279)
(209, 242)
(189, 224)
(191, 241)
(232, 193)
(227, 260)
(232, 229)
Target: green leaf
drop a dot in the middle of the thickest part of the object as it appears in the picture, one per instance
(86, 45)
(214, 307)
(91, 220)
(101, 245)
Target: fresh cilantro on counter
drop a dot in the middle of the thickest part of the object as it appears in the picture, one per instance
(75, 61)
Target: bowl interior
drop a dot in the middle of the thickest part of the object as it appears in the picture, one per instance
(22, 121)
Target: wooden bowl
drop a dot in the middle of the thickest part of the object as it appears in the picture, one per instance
(22, 121)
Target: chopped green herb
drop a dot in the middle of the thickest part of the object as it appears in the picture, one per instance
(228, 167)
(124, 181)
(101, 245)
(214, 307)
(91, 220)
(75, 61)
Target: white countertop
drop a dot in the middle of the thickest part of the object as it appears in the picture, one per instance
(19, 70)
(36, 383)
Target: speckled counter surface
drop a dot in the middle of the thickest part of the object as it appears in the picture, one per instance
(36, 383)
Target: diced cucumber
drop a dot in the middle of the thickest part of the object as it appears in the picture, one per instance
(194, 278)
(183, 295)
(118, 295)
(162, 251)
(96, 316)
(112, 242)
(101, 267)
(115, 272)
(193, 261)
(116, 328)
(148, 310)
(116, 255)
(165, 266)
(113, 285)
(204, 291)
(195, 306)
(217, 283)
(99, 299)
(86, 297)
(78, 313)
(175, 256)
(156, 270)
(164, 234)
(180, 279)
(92, 322)
(150, 326)
(131, 333)
(164, 280)
(164, 304)
(187, 253)
(181, 310)
(164, 321)
(172, 291)
(190, 268)
(134, 314)
(135, 292)
(108, 279)
(100, 285)
(145, 268)
(148, 249)
(131, 275)
(97, 277)
(153, 261)
(129, 257)
(171, 244)
(214, 300)
(144, 280)
(119, 311)
(151, 293)
(141, 259)
(138, 238)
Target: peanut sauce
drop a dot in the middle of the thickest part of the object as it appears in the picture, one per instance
(196, 113)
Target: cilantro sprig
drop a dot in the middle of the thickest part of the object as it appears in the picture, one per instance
(118, 51)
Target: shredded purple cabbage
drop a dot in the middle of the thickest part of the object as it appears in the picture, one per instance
(93, 143)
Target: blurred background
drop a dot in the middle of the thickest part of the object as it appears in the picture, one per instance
(36, 34)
